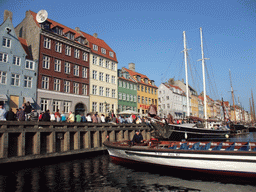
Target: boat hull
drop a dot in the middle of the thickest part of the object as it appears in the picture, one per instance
(230, 163)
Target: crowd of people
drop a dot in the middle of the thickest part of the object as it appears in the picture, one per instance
(28, 113)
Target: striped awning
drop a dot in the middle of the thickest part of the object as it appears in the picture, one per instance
(29, 99)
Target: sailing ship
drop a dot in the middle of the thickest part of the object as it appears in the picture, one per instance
(190, 130)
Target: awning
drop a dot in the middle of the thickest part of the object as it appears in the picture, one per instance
(178, 113)
(29, 99)
(3, 97)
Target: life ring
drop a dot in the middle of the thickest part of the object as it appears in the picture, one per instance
(238, 132)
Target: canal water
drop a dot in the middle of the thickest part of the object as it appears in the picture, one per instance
(96, 172)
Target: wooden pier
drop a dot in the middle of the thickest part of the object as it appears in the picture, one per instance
(22, 141)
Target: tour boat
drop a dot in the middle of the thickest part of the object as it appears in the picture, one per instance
(226, 158)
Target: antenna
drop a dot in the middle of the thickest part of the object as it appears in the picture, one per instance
(41, 16)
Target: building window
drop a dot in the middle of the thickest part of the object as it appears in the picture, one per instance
(149, 101)
(56, 106)
(167, 97)
(138, 87)
(84, 89)
(47, 43)
(84, 72)
(85, 56)
(94, 60)
(131, 98)
(113, 66)
(113, 93)
(138, 99)
(142, 100)
(155, 91)
(76, 70)
(94, 74)
(124, 84)
(4, 57)
(146, 89)
(3, 77)
(152, 90)
(127, 97)
(107, 92)
(94, 106)
(142, 88)
(134, 98)
(111, 54)
(107, 64)
(103, 51)
(101, 91)
(101, 107)
(66, 106)
(76, 88)
(68, 50)
(6, 42)
(58, 30)
(58, 47)
(66, 86)
(15, 80)
(77, 53)
(113, 80)
(101, 62)
(29, 65)
(120, 83)
(57, 65)
(120, 96)
(46, 62)
(16, 60)
(107, 78)
(94, 89)
(67, 68)
(95, 47)
(101, 76)
(28, 82)
(146, 100)
(124, 96)
(45, 82)
(149, 90)
(56, 85)
(70, 36)
(44, 104)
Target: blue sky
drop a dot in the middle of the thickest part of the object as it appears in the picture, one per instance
(149, 34)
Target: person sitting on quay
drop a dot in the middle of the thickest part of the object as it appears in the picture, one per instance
(2, 113)
(63, 117)
(98, 117)
(52, 117)
(88, 118)
(83, 118)
(137, 138)
(102, 118)
(78, 118)
(46, 116)
(40, 116)
(71, 117)
(94, 119)
(33, 116)
(21, 114)
(10, 116)
(57, 116)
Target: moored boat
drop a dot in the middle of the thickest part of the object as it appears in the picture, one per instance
(229, 158)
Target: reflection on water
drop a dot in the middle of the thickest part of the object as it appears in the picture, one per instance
(98, 173)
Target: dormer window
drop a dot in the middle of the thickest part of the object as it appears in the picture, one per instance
(103, 50)
(70, 35)
(111, 54)
(146, 80)
(58, 30)
(95, 47)
(153, 82)
(138, 78)
(81, 40)
(46, 25)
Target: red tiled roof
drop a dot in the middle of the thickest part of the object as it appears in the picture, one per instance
(200, 97)
(92, 40)
(126, 79)
(133, 73)
(24, 44)
(176, 87)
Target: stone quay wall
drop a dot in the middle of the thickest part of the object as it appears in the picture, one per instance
(22, 141)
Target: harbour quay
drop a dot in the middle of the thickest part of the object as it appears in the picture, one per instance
(23, 141)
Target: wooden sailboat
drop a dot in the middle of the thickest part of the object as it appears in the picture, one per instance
(191, 130)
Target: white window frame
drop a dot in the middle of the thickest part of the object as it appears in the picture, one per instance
(28, 82)
(107, 78)
(120, 96)
(68, 50)
(6, 42)
(47, 43)
(77, 53)
(94, 106)
(76, 88)
(103, 51)
(76, 70)
(44, 104)
(15, 79)
(45, 82)
(85, 56)
(111, 54)
(107, 64)
(57, 65)
(94, 60)
(113, 93)
(94, 74)
(101, 91)
(30, 65)
(107, 92)
(101, 107)
(56, 85)
(3, 77)
(3, 57)
(67, 68)
(58, 46)
(113, 66)
(113, 79)
(84, 89)
(95, 47)
(46, 62)
(84, 72)
(67, 86)
(101, 76)
(16, 60)
(101, 62)
(94, 89)
(66, 106)
(124, 96)
(55, 105)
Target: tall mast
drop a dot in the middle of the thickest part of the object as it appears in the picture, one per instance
(253, 109)
(223, 108)
(186, 70)
(203, 65)
(232, 92)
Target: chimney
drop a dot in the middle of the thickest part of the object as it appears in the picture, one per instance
(95, 35)
(132, 67)
(7, 14)
(77, 29)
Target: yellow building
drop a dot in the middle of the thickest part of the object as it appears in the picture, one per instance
(103, 77)
(147, 93)
(194, 106)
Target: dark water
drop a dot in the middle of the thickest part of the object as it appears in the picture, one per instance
(96, 172)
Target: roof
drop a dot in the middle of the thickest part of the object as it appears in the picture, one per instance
(176, 87)
(126, 79)
(24, 44)
(92, 40)
(133, 73)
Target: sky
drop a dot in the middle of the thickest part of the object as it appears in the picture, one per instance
(150, 34)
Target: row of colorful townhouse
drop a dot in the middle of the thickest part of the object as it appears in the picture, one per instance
(57, 68)
(172, 100)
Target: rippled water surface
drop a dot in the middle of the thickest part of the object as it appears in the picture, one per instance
(96, 172)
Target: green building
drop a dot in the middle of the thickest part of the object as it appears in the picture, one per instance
(127, 91)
